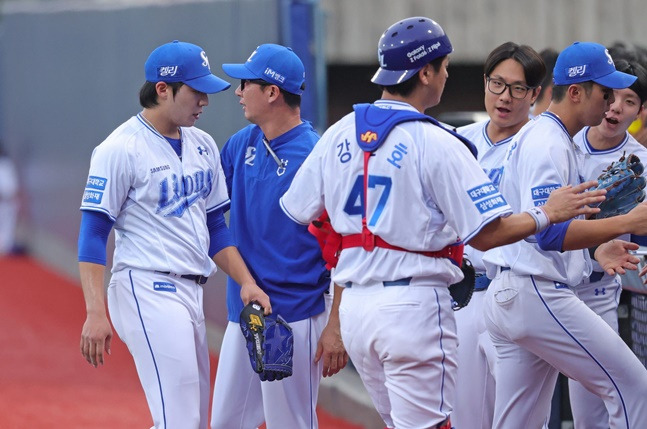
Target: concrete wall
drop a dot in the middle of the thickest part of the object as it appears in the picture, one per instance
(475, 27)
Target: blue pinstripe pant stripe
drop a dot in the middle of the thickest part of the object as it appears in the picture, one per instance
(159, 381)
(624, 407)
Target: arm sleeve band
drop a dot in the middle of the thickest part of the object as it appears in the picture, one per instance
(220, 236)
(552, 238)
(93, 236)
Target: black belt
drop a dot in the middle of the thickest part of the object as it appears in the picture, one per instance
(596, 276)
(198, 278)
(399, 282)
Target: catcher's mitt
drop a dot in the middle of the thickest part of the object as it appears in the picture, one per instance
(461, 292)
(269, 342)
(624, 185)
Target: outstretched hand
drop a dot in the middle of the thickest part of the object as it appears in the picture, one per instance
(570, 201)
(614, 257)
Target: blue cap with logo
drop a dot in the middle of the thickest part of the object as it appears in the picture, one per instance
(183, 62)
(275, 64)
(587, 61)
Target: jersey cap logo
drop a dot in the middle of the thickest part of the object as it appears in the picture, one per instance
(368, 136)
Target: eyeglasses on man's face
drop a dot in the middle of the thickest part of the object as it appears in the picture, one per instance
(517, 90)
(244, 82)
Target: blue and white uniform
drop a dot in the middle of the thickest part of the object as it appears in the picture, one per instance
(286, 262)
(424, 190)
(476, 355)
(600, 292)
(159, 203)
(537, 323)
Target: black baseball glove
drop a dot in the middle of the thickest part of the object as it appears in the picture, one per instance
(461, 292)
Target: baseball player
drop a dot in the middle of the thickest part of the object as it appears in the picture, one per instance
(512, 77)
(600, 146)
(158, 180)
(537, 323)
(259, 163)
(401, 189)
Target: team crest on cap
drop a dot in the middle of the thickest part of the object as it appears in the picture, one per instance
(205, 60)
(609, 59)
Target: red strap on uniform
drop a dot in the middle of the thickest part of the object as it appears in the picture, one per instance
(329, 240)
(369, 242)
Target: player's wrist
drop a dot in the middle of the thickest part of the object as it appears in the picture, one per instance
(541, 218)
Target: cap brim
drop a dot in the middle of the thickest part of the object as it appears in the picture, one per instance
(209, 84)
(238, 71)
(616, 80)
(392, 77)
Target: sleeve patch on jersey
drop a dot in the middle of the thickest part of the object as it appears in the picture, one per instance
(164, 287)
(540, 193)
(95, 182)
(93, 197)
(482, 191)
(491, 203)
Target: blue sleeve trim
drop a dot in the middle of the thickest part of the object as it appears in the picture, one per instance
(93, 236)
(552, 238)
(220, 236)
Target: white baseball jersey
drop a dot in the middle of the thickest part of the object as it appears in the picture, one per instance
(425, 189)
(157, 200)
(541, 158)
(490, 157)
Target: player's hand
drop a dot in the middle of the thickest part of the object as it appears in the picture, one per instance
(642, 273)
(614, 257)
(96, 337)
(637, 219)
(331, 349)
(570, 201)
(251, 292)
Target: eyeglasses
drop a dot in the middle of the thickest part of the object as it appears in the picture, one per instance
(517, 90)
(260, 82)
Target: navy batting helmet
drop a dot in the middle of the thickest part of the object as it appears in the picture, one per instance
(406, 46)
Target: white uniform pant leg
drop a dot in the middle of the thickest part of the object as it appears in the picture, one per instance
(402, 341)
(535, 323)
(165, 333)
(603, 297)
(474, 403)
(292, 402)
(237, 400)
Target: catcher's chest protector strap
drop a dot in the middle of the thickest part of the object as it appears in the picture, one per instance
(372, 125)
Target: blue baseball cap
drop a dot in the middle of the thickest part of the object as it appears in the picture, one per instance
(275, 64)
(587, 61)
(186, 63)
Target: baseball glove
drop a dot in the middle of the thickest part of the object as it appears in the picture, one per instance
(269, 342)
(461, 292)
(624, 184)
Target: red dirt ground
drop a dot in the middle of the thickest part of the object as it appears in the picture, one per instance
(44, 381)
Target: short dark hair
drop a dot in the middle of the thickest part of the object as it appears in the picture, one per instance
(533, 65)
(549, 55)
(559, 91)
(148, 93)
(635, 69)
(406, 88)
(292, 100)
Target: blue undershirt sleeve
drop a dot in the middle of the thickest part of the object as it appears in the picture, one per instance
(639, 239)
(552, 238)
(93, 236)
(220, 236)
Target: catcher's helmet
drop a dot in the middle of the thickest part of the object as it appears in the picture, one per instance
(406, 46)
